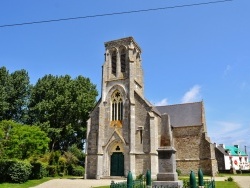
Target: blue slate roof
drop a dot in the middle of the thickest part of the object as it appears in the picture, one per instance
(187, 114)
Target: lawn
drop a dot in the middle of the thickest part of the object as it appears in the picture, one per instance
(30, 183)
(226, 184)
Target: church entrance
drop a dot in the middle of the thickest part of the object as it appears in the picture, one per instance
(117, 164)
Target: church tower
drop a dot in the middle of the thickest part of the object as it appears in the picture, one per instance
(115, 131)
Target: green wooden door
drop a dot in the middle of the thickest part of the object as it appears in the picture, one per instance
(117, 164)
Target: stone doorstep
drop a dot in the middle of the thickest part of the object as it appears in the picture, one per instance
(114, 177)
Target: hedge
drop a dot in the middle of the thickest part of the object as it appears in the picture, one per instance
(14, 171)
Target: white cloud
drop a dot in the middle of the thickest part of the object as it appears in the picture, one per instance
(243, 85)
(192, 95)
(227, 70)
(227, 127)
(229, 133)
(163, 102)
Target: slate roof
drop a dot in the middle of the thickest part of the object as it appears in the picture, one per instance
(222, 150)
(187, 114)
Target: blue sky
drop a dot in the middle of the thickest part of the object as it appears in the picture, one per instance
(189, 54)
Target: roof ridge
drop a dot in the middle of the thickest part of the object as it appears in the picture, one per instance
(180, 104)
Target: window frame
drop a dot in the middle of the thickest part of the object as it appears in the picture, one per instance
(116, 106)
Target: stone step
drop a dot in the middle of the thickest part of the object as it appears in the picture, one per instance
(114, 177)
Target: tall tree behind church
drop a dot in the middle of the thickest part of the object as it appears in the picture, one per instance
(60, 105)
(14, 95)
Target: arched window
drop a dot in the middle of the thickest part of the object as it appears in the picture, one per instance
(117, 106)
(123, 60)
(113, 62)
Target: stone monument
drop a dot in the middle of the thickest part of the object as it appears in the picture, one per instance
(167, 175)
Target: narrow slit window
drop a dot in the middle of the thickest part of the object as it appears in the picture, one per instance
(113, 62)
(123, 60)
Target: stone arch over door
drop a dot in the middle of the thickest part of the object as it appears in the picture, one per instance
(114, 159)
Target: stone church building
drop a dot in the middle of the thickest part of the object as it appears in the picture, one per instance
(124, 129)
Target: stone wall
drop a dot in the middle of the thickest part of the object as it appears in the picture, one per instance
(91, 166)
(142, 125)
(220, 159)
(194, 150)
(142, 164)
(93, 132)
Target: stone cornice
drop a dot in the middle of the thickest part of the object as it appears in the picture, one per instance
(123, 41)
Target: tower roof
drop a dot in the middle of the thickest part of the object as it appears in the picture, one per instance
(122, 41)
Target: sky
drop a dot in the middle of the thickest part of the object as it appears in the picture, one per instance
(189, 53)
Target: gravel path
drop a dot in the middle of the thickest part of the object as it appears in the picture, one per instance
(243, 182)
(75, 183)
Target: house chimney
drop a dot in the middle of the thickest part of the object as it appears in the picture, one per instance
(237, 146)
(222, 145)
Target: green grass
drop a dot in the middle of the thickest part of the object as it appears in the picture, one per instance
(32, 183)
(27, 184)
(226, 184)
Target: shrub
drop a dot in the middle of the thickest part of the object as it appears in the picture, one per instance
(140, 176)
(19, 171)
(78, 171)
(70, 158)
(62, 165)
(52, 170)
(75, 170)
(178, 172)
(38, 170)
(230, 179)
(54, 157)
(78, 153)
(185, 183)
(4, 166)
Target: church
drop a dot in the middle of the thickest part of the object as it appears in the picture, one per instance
(124, 129)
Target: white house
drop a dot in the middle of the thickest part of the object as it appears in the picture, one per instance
(231, 157)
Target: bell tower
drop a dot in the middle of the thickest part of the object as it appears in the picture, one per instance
(122, 66)
(122, 77)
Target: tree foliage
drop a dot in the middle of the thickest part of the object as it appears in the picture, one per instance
(60, 105)
(21, 141)
(14, 94)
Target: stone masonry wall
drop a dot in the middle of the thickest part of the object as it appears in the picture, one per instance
(142, 164)
(93, 132)
(92, 145)
(142, 120)
(187, 141)
(91, 166)
(194, 151)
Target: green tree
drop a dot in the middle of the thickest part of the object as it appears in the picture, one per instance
(22, 141)
(61, 105)
(14, 89)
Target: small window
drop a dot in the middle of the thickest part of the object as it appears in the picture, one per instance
(123, 60)
(117, 106)
(113, 62)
